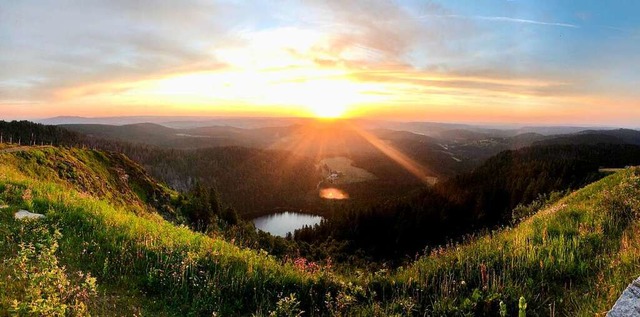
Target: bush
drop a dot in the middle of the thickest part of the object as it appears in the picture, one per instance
(287, 306)
(45, 288)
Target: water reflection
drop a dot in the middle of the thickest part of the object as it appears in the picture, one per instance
(333, 193)
(282, 223)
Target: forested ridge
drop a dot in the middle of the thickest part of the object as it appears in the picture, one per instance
(478, 200)
(383, 226)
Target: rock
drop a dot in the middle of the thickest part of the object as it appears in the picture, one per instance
(4, 206)
(629, 303)
(22, 214)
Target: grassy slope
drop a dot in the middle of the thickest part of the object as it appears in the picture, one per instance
(575, 257)
(112, 234)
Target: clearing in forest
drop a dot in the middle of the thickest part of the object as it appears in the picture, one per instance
(339, 170)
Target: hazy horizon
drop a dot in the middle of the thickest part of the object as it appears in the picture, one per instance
(159, 119)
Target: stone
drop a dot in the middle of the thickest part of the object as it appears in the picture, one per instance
(629, 303)
(23, 214)
(4, 206)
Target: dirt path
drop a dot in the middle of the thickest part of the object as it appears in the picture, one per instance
(20, 148)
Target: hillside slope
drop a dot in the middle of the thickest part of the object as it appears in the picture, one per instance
(574, 257)
(105, 175)
(98, 221)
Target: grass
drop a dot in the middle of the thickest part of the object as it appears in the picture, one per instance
(572, 258)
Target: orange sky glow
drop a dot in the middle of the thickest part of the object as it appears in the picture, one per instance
(246, 89)
(406, 66)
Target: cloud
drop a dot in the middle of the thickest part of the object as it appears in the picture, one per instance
(54, 45)
(503, 19)
(384, 31)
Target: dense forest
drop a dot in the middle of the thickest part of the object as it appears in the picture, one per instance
(483, 198)
(252, 180)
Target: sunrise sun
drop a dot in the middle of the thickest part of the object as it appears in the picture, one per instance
(328, 111)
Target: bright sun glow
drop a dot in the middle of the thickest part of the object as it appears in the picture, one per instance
(305, 92)
(328, 110)
(279, 80)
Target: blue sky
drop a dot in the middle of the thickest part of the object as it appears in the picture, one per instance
(569, 62)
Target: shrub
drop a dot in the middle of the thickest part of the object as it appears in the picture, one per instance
(287, 306)
(45, 288)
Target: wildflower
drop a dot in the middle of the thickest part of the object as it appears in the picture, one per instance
(484, 275)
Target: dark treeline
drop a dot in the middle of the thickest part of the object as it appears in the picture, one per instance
(483, 198)
(29, 133)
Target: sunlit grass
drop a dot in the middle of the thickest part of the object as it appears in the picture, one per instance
(568, 258)
(124, 246)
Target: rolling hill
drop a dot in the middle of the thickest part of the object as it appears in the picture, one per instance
(109, 252)
(617, 136)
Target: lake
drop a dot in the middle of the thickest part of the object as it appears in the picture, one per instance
(281, 223)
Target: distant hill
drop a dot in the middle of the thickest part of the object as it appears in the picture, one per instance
(162, 136)
(497, 131)
(178, 122)
(105, 120)
(141, 132)
(626, 135)
(617, 136)
(555, 130)
(525, 139)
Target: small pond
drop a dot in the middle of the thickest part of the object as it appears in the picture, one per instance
(281, 223)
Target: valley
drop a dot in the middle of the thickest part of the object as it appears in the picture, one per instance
(310, 215)
(124, 237)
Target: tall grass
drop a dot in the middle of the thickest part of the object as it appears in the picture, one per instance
(194, 273)
(560, 260)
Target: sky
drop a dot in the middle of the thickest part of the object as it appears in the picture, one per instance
(486, 61)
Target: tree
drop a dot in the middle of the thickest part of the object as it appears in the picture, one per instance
(230, 216)
(201, 207)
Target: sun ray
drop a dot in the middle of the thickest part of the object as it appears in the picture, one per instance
(400, 158)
